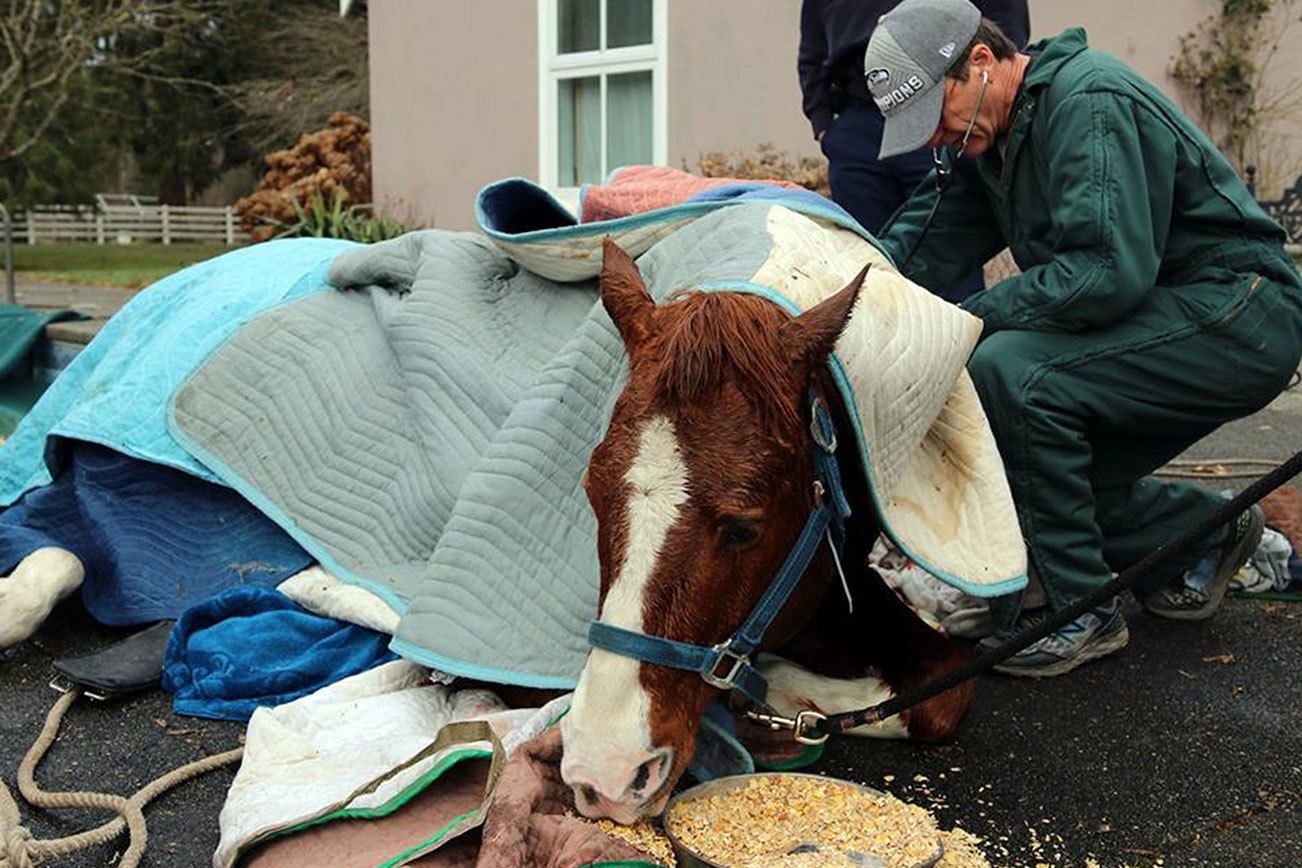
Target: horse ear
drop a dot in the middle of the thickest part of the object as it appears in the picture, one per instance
(624, 295)
(813, 334)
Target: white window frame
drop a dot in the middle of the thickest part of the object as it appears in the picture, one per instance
(554, 67)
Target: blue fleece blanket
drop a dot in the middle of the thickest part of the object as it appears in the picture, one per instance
(154, 540)
(254, 646)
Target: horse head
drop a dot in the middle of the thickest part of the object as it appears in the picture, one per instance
(700, 489)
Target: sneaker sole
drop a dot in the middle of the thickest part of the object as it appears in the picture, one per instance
(1225, 570)
(1102, 648)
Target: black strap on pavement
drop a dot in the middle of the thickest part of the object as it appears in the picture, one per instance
(979, 663)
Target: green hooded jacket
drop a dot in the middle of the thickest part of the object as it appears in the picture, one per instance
(1106, 192)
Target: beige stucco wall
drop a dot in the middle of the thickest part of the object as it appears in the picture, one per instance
(732, 78)
(454, 102)
(452, 110)
(454, 86)
(1143, 34)
(1146, 34)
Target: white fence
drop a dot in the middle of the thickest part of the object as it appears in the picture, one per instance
(125, 224)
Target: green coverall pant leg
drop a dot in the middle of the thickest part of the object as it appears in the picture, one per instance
(1081, 418)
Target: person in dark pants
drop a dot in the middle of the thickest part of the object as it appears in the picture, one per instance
(833, 36)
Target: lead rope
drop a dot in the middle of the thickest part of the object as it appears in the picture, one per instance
(819, 727)
(20, 849)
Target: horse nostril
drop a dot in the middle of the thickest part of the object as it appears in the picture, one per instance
(652, 772)
(589, 793)
(643, 773)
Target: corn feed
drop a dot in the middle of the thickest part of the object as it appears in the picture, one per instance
(760, 824)
(644, 835)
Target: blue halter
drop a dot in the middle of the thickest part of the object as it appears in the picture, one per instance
(727, 665)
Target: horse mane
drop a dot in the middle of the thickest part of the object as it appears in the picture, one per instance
(710, 338)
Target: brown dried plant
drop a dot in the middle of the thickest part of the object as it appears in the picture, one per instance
(334, 164)
(766, 163)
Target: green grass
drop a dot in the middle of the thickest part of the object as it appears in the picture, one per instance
(122, 265)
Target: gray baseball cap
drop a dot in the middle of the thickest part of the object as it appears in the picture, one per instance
(905, 63)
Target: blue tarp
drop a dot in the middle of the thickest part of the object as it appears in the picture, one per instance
(22, 332)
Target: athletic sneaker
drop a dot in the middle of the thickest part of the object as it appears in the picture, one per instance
(1200, 590)
(1094, 634)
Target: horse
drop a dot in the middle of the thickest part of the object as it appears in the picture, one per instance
(699, 489)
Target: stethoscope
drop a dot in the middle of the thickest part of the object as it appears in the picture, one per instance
(944, 172)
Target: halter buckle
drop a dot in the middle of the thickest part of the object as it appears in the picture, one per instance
(724, 652)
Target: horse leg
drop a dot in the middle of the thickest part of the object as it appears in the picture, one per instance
(892, 647)
(794, 688)
(38, 583)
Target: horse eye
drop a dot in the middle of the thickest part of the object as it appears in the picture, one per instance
(736, 535)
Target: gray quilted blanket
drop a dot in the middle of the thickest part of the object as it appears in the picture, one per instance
(423, 429)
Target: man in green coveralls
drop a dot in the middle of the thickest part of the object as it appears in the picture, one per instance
(1156, 300)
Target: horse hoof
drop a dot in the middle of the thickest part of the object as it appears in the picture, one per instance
(37, 584)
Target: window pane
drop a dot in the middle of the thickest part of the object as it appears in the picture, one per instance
(579, 127)
(578, 25)
(629, 128)
(628, 22)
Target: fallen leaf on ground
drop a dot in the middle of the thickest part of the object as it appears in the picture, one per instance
(1224, 659)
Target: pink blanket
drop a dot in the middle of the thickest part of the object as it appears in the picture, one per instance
(638, 189)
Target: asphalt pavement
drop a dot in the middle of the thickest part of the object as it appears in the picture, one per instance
(1183, 749)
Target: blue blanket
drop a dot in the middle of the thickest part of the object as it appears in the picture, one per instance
(116, 391)
(254, 646)
(154, 541)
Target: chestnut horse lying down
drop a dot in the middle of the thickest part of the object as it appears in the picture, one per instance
(700, 489)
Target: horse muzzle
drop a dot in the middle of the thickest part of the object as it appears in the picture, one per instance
(623, 787)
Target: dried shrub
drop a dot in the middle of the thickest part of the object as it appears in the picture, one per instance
(766, 163)
(334, 164)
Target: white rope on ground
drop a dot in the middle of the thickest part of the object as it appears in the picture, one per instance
(18, 847)
(1217, 468)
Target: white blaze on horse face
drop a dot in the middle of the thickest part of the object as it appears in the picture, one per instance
(608, 730)
(657, 482)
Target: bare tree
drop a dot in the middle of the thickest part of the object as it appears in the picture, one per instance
(44, 44)
(318, 68)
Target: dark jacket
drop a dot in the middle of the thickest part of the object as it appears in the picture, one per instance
(1106, 193)
(834, 34)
